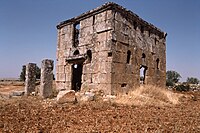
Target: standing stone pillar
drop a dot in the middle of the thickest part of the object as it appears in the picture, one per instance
(30, 78)
(46, 78)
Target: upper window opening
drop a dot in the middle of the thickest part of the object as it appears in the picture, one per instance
(93, 20)
(76, 52)
(109, 54)
(143, 55)
(76, 34)
(135, 25)
(128, 56)
(149, 33)
(142, 29)
(89, 55)
(143, 58)
(157, 63)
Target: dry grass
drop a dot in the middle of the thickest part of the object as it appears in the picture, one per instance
(149, 95)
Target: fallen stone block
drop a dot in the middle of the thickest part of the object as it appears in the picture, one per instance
(109, 98)
(84, 97)
(66, 96)
(18, 93)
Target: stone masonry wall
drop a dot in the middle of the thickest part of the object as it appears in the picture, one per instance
(118, 43)
(138, 39)
(95, 35)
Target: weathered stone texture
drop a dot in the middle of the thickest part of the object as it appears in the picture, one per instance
(120, 43)
(30, 78)
(66, 96)
(46, 78)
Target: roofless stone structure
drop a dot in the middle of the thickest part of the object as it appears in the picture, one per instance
(111, 49)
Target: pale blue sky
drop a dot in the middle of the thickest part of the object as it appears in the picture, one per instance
(28, 30)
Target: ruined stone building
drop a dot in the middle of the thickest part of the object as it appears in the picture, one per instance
(111, 49)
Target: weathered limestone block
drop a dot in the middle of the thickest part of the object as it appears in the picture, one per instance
(87, 78)
(85, 97)
(60, 68)
(106, 88)
(105, 67)
(61, 53)
(68, 29)
(101, 78)
(60, 85)
(100, 17)
(103, 26)
(118, 68)
(129, 69)
(104, 78)
(30, 78)
(86, 31)
(61, 61)
(18, 93)
(87, 68)
(119, 36)
(104, 36)
(118, 78)
(87, 22)
(95, 67)
(119, 57)
(103, 46)
(46, 78)
(66, 96)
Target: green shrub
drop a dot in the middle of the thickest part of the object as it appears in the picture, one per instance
(169, 83)
(182, 87)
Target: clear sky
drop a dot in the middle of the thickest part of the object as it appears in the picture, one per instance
(28, 30)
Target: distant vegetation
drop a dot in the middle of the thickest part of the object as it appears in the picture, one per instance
(173, 78)
(192, 80)
(23, 73)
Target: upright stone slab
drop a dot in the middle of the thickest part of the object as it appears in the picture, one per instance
(30, 78)
(46, 78)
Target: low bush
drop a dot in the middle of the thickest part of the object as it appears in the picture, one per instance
(182, 87)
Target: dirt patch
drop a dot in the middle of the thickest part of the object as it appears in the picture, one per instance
(7, 87)
(32, 114)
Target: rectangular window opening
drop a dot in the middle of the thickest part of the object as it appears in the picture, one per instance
(142, 29)
(93, 20)
(76, 34)
(109, 54)
(123, 85)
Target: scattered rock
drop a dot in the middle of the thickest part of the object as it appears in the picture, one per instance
(1, 125)
(5, 96)
(84, 97)
(66, 96)
(18, 93)
(88, 96)
(109, 98)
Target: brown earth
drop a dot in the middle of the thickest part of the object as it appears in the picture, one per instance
(9, 86)
(32, 114)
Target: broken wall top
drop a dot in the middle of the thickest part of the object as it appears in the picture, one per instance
(115, 7)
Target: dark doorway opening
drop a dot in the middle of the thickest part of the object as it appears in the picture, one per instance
(143, 70)
(77, 70)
